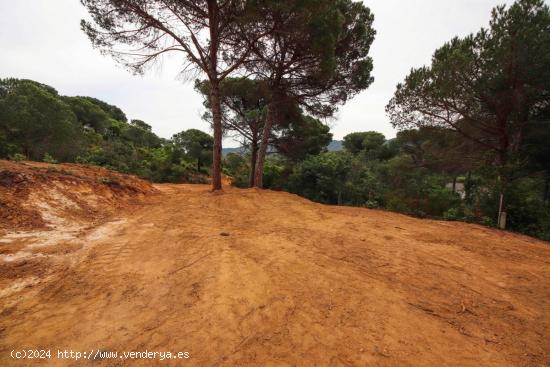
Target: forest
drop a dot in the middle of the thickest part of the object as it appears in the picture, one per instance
(473, 126)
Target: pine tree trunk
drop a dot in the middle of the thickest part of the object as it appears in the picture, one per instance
(502, 204)
(259, 174)
(503, 178)
(500, 209)
(215, 101)
(217, 122)
(253, 159)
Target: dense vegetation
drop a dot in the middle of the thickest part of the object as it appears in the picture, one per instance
(491, 87)
(39, 124)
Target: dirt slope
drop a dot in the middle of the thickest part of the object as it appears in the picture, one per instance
(39, 195)
(48, 210)
(251, 278)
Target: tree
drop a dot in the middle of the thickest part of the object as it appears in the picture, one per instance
(243, 103)
(303, 136)
(536, 151)
(485, 86)
(235, 165)
(315, 54)
(360, 141)
(196, 144)
(88, 113)
(137, 33)
(141, 124)
(371, 145)
(114, 112)
(35, 119)
(440, 149)
(140, 137)
(322, 178)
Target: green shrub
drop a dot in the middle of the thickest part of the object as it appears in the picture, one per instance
(48, 159)
(17, 157)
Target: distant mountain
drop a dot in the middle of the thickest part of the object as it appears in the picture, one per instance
(226, 151)
(334, 146)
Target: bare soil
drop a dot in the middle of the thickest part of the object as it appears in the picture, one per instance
(259, 278)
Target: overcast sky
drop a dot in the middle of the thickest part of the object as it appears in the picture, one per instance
(42, 40)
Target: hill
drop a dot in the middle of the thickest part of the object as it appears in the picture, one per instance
(334, 146)
(258, 278)
(226, 151)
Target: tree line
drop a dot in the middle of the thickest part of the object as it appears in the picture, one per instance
(38, 123)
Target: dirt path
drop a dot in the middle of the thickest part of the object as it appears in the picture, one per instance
(249, 278)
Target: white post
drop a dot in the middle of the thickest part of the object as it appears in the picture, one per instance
(501, 222)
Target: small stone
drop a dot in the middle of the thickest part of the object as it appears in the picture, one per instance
(225, 234)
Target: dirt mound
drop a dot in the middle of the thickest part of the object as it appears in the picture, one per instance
(259, 278)
(39, 195)
(45, 208)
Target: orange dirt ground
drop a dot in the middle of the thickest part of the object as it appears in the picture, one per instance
(257, 278)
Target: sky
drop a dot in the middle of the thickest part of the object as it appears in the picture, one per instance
(41, 40)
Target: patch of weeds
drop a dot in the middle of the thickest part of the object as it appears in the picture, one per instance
(49, 159)
(61, 171)
(17, 157)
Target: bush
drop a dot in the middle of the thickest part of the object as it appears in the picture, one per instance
(48, 159)
(17, 157)
(237, 167)
(372, 204)
(439, 199)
